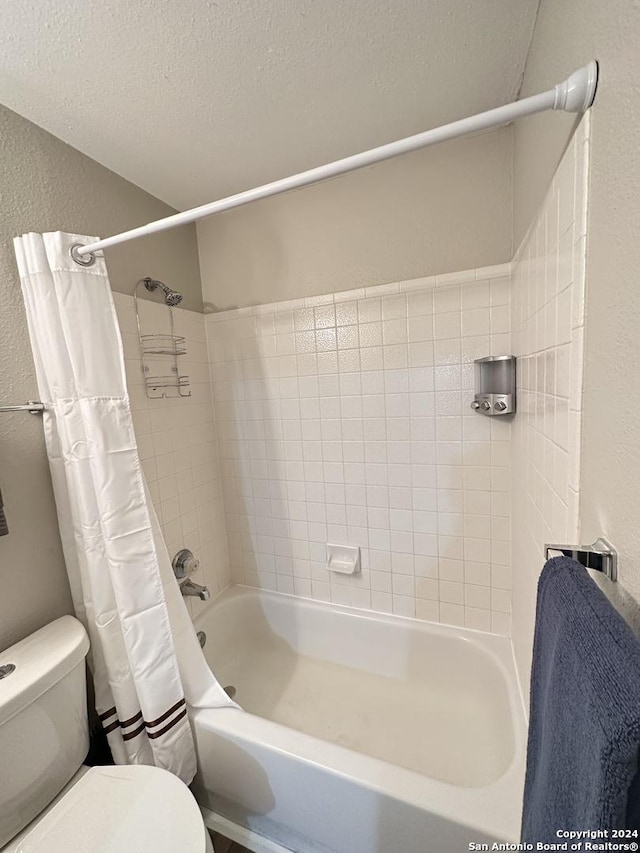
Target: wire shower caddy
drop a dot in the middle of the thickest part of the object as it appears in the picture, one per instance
(159, 353)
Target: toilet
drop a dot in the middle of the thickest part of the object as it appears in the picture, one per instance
(49, 801)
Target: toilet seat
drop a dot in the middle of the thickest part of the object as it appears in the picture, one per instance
(119, 810)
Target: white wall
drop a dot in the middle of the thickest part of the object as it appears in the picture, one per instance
(346, 418)
(435, 211)
(547, 323)
(567, 35)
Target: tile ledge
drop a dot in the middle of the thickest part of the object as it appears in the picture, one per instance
(469, 276)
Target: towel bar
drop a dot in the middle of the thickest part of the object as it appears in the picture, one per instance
(600, 557)
(34, 407)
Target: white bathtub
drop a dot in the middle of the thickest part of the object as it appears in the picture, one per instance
(362, 733)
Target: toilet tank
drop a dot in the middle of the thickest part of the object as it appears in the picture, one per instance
(44, 735)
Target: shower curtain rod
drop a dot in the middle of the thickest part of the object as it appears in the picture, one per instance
(575, 95)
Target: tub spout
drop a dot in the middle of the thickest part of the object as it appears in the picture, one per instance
(191, 588)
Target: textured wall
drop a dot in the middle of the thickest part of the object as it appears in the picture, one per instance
(566, 36)
(435, 211)
(46, 185)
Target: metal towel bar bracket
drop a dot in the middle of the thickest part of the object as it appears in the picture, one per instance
(600, 557)
(34, 407)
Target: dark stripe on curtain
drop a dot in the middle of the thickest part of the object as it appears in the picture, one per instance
(107, 714)
(131, 720)
(111, 727)
(166, 714)
(134, 733)
(170, 725)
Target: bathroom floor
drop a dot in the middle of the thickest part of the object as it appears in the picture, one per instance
(224, 845)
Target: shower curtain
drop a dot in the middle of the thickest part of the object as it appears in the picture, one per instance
(146, 661)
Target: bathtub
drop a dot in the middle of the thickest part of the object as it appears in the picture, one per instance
(361, 732)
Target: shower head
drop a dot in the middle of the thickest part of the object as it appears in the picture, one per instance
(171, 297)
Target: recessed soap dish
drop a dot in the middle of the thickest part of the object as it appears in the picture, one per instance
(344, 559)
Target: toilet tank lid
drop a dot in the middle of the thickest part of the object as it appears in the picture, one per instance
(41, 660)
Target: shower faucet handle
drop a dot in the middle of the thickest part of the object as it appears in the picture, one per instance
(184, 564)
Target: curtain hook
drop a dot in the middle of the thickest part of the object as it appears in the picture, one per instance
(83, 260)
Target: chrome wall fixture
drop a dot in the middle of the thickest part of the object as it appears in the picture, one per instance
(184, 564)
(34, 407)
(495, 381)
(600, 557)
(601, 561)
(159, 352)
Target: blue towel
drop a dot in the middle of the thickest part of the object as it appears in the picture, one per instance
(584, 730)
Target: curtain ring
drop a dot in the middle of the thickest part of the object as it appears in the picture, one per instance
(83, 260)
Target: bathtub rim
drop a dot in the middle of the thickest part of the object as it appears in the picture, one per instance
(466, 805)
(485, 639)
(498, 647)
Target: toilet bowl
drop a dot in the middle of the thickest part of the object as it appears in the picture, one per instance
(49, 801)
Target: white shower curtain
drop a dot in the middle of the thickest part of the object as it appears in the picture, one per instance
(145, 657)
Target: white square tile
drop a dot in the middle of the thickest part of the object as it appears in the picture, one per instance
(404, 605)
(452, 614)
(476, 295)
(427, 588)
(325, 316)
(382, 602)
(501, 600)
(394, 331)
(429, 611)
(479, 620)
(446, 299)
(346, 313)
(395, 356)
(420, 354)
(394, 307)
(476, 321)
(447, 325)
(450, 592)
(369, 310)
(478, 574)
(447, 351)
(420, 302)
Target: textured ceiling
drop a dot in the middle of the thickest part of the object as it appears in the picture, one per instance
(195, 99)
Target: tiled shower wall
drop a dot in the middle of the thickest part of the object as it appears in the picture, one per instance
(548, 323)
(177, 443)
(346, 419)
